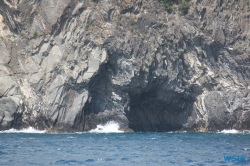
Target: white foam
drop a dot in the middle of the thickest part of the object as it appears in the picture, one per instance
(109, 127)
(70, 137)
(233, 131)
(246, 149)
(27, 130)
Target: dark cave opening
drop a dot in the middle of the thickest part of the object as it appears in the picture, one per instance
(151, 113)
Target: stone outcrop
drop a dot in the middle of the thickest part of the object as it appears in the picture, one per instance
(70, 65)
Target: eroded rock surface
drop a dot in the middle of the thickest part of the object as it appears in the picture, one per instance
(70, 65)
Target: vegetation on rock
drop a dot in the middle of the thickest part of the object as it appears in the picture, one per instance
(183, 5)
(35, 35)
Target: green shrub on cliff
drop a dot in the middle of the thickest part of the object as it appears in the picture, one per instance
(168, 6)
(96, 1)
(184, 6)
(88, 25)
(35, 34)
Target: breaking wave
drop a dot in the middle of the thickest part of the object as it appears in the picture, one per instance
(109, 127)
(27, 130)
(233, 131)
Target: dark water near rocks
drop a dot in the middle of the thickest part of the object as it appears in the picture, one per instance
(122, 148)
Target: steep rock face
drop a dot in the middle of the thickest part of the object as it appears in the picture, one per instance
(70, 65)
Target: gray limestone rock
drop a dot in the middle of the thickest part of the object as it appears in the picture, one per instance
(9, 111)
(70, 65)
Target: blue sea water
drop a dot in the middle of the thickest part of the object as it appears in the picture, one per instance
(120, 149)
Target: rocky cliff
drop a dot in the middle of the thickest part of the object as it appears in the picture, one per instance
(69, 65)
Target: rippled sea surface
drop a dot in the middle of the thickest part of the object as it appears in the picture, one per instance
(122, 148)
